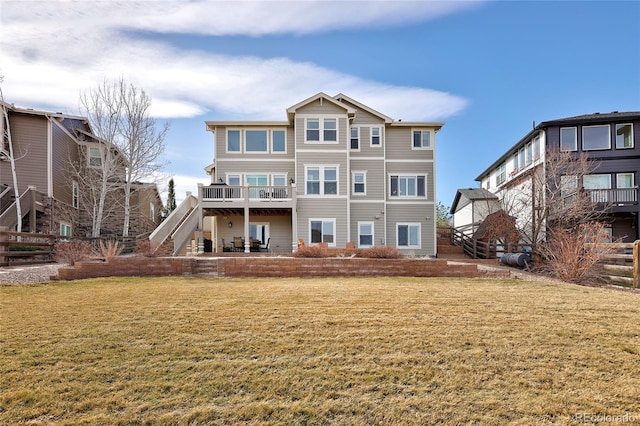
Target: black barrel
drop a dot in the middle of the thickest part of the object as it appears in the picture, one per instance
(515, 259)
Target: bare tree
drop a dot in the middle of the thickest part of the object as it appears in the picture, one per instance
(551, 195)
(140, 142)
(120, 115)
(10, 155)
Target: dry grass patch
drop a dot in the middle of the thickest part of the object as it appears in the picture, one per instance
(315, 351)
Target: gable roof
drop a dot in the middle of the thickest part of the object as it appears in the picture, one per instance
(321, 97)
(471, 194)
(340, 97)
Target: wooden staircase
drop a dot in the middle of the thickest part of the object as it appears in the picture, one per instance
(446, 249)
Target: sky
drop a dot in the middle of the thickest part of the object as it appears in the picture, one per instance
(489, 70)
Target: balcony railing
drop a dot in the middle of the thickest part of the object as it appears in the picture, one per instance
(614, 196)
(237, 193)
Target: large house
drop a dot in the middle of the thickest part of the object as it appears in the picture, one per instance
(609, 139)
(335, 172)
(45, 145)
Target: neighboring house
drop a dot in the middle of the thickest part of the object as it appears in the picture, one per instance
(334, 172)
(610, 139)
(470, 207)
(44, 144)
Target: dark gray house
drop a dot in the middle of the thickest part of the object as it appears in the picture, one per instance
(609, 138)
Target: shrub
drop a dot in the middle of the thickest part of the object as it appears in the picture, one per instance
(311, 251)
(146, 248)
(70, 252)
(380, 252)
(110, 248)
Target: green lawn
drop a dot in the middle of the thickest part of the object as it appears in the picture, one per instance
(185, 350)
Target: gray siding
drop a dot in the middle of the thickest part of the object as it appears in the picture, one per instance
(323, 209)
(424, 214)
(399, 145)
(417, 168)
(30, 135)
(375, 183)
(367, 212)
(323, 159)
(64, 150)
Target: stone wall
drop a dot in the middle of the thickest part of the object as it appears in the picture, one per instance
(269, 267)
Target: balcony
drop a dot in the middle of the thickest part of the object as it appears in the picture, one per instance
(229, 196)
(614, 197)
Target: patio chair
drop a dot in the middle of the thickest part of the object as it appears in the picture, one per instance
(238, 244)
(266, 247)
(226, 247)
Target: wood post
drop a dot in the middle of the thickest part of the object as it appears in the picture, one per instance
(636, 263)
(4, 260)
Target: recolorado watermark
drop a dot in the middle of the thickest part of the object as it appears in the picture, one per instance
(603, 418)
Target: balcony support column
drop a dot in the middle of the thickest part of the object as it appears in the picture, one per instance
(247, 238)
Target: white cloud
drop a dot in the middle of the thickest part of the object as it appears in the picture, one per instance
(51, 55)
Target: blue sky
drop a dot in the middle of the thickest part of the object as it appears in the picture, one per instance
(487, 69)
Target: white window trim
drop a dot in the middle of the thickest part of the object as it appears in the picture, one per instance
(321, 119)
(381, 129)
(240, 142)
(419, 225)
(68, 225)
(608, 137)
(270, 142)
(575, 140)
(243, 143)
(152, 212)
(240, 177)
(353, 183)
(431, 138)
(89, 157)
(357, 129)
(323, 220)
(411, 175)
(272, 177)
(373, 234)
(633, 179)
(75, 195)
(633, 142)
(322, 168)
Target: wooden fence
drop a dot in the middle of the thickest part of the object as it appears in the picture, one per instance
(477, 249)
(23, 248)
(621, 266)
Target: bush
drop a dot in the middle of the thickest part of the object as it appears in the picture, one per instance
(146, 248)
(70, 252)
(311, 251)
(110, 248)
(380, 252)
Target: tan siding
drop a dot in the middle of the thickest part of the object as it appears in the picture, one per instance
(316, 108)
(399, 143)
(423, 214)
(366, 150)
(417, 168)
(323, 209)
(324, 159)
(366, 118)
(367, 213)
(30, 135)
(375, 184)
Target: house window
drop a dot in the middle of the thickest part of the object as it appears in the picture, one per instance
(522, 159)
(65, 229)
(596, 137)
(152, 211)
(536, 148)
(95, 157)
(278, 141)
(365, 234)
(568, 139)
(625, 182)
(330, 130)
(408, 235)
(501, 171)
(75, 195)
(376, 138)
(568, 185)
(233, 180)
(322, 180)
(259, 181)
(516, 165)
(529, 153)
(408, 186)
(355, 138)
(624, 136)
(255, 141)
(259, 231)
(279, 180)
(598, 186)
(322, 231)
(359, 182)
(313, 129)
(233, 140)
(421, 139)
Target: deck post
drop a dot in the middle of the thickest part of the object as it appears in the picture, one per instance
(4, 260)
